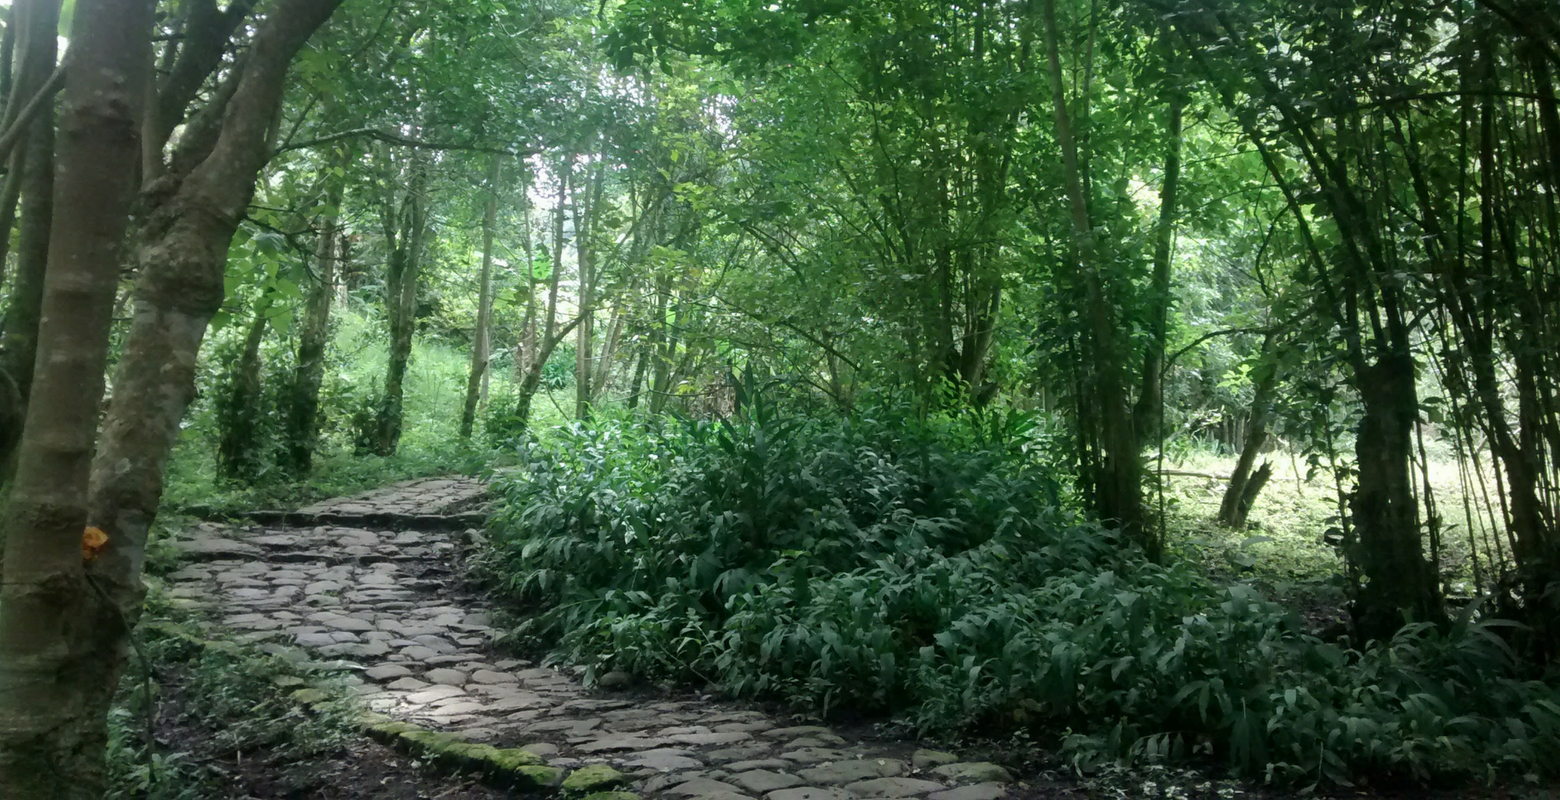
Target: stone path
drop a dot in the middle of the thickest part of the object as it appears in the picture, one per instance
(385, 602)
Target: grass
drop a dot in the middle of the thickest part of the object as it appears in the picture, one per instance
(1283, 547)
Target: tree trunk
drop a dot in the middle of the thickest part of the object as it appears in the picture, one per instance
(584, 221)
(641, 364)
(1399, 581)
(1237, 498)
(183, 253)
(239, 413)
(609, 348)
(401, 307)
(527, 344)
(551, 333)
(1119, 491)
(32, 177)
(1149, 414)
(10, 193)
(57, 635)
(480, 348)
(314, 337)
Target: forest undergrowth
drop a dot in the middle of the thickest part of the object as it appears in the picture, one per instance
(935, 570)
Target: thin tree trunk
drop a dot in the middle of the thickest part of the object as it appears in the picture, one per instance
(480, 348)
(641, 364)
(584, 222)
(1240, 494)
(1149, 413)
(314, 336)
(10, 193)
(401, 307)
(19, 344)
(238, 422)
(57, 635)
(608, 353)
(32, 175)
(552, 335)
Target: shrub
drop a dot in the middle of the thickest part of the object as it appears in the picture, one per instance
(930, 569)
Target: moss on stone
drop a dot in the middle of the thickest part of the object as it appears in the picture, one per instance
(537, 778)
(511, 760)
(310, 697)
(594, 778)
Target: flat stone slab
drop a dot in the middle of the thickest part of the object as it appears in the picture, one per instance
(893, 787)
(968, 772)
(810, 793)
(978, 791)
(843, 772)
(706, 788)
(763, 781)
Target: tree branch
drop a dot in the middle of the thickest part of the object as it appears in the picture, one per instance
(23, 122)
(397, 139)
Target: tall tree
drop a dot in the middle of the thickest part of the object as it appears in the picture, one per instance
(190, 215)
(57, 625)
(1118, 483)
(405, 228)
(481, 347)
(32, 172)
(314, 334)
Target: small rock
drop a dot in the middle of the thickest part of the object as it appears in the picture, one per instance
(892, 787)
(924, 759)
(979, 791)
(969, 772)
(387, 672)
(543, 749)
(843, 772)
(406, 684)
(794, 732)
(810, 793)
(446, 677)
(759, 763)
(616, 679)
(762, 781)
(706, 789)
(665, 760)
(704, 739)
(814, 755)
(739, 753)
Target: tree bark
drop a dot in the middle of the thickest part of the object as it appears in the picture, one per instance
(1243, 486)
(183, 251)
(1149, 414)
(314, 336)
(480, 347)
(552, 334)
(31, 177)
(1399, 581)
(603, 370)
(57, 635)
(401, 307)
(584, 222)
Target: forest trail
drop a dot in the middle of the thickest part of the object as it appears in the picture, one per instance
(371, 582)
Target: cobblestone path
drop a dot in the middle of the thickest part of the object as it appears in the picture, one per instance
(384, 600)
